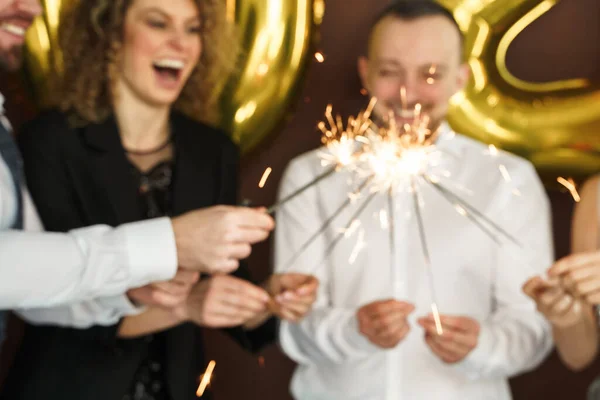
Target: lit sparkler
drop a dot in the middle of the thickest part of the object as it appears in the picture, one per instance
(571, 187)
(206, 378)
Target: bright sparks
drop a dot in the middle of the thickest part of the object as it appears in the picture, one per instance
(264, 178)
(206, 377)
(570, 185)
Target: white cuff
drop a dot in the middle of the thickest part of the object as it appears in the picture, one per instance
(472, 366)
(151, 251)
(357, 340)
(121, 305)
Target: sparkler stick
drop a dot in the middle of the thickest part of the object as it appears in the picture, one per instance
(473, 210)
(326, 224)
(464, 212)
(392, 239)
(426, 258)
(341, 234)
(301, 190)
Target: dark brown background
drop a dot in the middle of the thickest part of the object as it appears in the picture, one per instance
(561, 44)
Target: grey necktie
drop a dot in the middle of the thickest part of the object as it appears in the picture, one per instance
(12, 158)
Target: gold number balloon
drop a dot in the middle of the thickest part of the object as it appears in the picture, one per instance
(276, 38)
(556, 125)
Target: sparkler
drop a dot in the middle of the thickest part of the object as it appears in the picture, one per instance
(342, 145)
(571, 187)
(206, 377)
(389, 158)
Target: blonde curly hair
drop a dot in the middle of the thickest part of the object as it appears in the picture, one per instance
(90, 37)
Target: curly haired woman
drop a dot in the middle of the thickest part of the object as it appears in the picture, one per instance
(125, 143)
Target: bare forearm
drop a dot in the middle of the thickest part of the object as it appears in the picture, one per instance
(151, 321)
(577, 345)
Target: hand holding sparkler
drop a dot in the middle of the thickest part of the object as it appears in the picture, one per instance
(580, 275)
(459, 338)
(223, 301)
(293, 295)
(385, 322)
(554, 302)
(169, 294)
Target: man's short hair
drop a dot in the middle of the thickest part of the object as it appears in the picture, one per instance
(413, 9)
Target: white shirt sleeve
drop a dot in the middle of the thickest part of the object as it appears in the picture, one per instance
(102, 311)
(517, 338)
(326, 334)
(50, 269)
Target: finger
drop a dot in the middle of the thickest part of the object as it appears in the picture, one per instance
(562, 306)
(549, 297)
(365, 324)
(239, 251)
(309, 287)
(299, 310)
(464, 324)
(229, 311)
(164, 299)
(391, 328)
(395, 337)
(222, 265)
(291, 314)
(388, 321)
(430, 326)
(584, 288)
(533, 286)
(172, 288)
(254, 219)
(441, 352)
(297, 282)
(186, 277)
(574, 262)
(376, 310)
(451, 346)
(289, 297)
(244, 288)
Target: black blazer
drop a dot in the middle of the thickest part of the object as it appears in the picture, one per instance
(81, 177)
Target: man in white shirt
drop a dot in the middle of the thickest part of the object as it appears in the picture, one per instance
(100, 263)
(371, 335)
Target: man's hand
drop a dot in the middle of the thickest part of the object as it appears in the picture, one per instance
(554, 302)
(459, 338)
(294, 294)
(384, 322)
(169, 294)
(225, 301)
(213, 240)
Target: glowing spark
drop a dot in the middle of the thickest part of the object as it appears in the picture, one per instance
(360, 244)
(261, 361)
(504, 173)
(206, 377)
(319, 57)
(570, 185)
(352, 228)
(264, 178)
(403, 98)
(437, 319)
(493, 150)
(460, 210)
(384, 219)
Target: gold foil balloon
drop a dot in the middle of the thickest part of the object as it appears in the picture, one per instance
(276, 40)
(556, 124)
